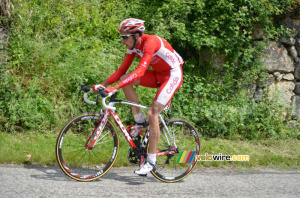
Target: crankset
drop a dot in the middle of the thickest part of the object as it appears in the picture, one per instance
(132, 157)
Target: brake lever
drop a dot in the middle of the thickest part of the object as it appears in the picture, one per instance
(79, 93)
(83, 88)
(102, 93)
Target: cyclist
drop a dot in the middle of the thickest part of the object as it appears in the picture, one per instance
(166, 75)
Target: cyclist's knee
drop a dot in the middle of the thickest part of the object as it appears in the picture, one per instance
(154, 111)
(151, 115)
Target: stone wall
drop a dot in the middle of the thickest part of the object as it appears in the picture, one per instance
(282, 62)
(3, 41)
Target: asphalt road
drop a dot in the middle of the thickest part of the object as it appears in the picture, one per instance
(36, 181)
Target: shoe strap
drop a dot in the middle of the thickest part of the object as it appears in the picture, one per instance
(153, 165)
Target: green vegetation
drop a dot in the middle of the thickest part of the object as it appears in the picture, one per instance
(57, 44)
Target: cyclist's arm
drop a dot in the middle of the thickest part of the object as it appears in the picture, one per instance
(140, 70)
(149, 49)
(121, 71)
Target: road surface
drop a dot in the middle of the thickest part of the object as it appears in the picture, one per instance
(37, 181)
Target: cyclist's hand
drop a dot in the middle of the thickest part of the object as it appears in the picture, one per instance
(111, 89)
(96, 87)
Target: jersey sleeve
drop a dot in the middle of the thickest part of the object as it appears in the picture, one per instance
(149, 50)
(122, 70)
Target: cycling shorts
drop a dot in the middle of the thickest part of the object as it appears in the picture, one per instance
(168, 83)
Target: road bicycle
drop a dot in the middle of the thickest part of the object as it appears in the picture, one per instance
(88, 145)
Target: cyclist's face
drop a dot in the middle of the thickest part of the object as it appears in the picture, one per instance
(127, 40)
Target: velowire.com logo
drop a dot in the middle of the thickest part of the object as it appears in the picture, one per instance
(189, 156)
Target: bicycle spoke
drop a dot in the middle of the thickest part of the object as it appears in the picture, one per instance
(99, 141)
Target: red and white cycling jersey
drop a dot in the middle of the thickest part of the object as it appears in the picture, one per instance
(165, 61)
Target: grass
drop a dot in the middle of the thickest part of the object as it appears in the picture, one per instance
(274, 154)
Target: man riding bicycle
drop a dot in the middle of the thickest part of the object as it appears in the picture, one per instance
(166, 75)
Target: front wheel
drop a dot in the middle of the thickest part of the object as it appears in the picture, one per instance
(77, 160)
(178, 165)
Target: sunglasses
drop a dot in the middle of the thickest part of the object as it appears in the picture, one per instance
(124, 37)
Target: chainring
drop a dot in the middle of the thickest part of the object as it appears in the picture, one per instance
(132, 158)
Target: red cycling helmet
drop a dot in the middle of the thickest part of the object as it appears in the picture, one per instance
(132, 25)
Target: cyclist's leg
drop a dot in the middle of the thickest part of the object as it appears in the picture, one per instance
(147, 80)
(170, 81)
(150, 80)
(131, 95)
(154, 131)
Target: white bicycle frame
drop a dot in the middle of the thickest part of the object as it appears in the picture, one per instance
(110, 110)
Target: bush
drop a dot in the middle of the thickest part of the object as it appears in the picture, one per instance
(56, 45)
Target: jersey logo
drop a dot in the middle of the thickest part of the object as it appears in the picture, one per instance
(171, 57)
(130, 78)
(172, 85)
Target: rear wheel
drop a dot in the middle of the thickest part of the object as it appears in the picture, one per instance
(75, 159)
(177, 166)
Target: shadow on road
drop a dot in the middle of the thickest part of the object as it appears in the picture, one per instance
(56, 174)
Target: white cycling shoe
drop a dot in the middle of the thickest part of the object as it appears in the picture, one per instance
(145, 169)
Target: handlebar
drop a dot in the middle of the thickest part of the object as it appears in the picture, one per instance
(101, 92)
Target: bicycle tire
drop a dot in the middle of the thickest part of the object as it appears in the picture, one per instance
(187, 139)
(80, 163)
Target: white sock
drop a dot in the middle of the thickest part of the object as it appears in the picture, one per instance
(151, 158)
(139, 118)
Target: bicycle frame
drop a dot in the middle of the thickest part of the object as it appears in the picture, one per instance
(110, 111)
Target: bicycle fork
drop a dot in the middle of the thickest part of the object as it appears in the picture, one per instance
(93, 138)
